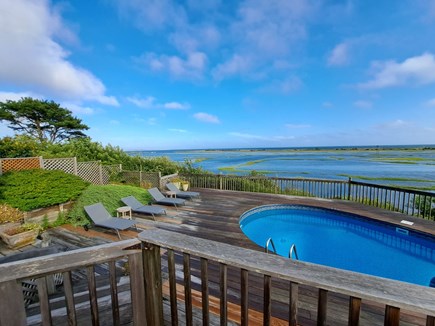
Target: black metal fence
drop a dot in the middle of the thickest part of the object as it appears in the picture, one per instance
(412, 202)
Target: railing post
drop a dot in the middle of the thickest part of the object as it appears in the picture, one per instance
(349, 183)
(220, 181)
(13, 291)
(75, 166)
(100, 171)
(153, 284)
(137, 288)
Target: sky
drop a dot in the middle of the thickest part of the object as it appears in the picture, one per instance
(164, 74)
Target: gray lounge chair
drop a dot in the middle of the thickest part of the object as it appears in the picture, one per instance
(101, 217)
(182, 194)
(138, 207)
(160, 199)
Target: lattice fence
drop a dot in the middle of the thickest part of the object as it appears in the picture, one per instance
(68, 165)
(91, 171)
(111, 172)
(143, 179)
(22, 163)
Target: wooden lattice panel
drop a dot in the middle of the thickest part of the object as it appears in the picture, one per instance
(131, 177)
(16, 164)
(110, 171)
(143, 179)
(67, 165)
(90, 171)
(150, 179)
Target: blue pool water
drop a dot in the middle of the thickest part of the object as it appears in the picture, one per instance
(344, 241)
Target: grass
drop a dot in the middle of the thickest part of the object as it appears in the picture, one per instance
(200, 159)
(109, 195)
(402, 160)
(361, 177)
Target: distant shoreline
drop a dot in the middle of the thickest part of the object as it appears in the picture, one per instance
(305, 149)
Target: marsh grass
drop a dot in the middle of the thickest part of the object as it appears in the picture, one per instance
(362, 177)
(403, 160)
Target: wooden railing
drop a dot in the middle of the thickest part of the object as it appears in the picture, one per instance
(210, 270)
(412, 202)
(281, 280)
(12, 305)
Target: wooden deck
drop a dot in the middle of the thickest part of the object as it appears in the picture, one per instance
(215, 216)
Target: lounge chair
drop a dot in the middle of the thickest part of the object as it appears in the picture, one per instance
(182, 194)
(138, 207)
(160, 199)
(101, 217)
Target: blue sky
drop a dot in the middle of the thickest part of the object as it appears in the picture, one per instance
(161, 74)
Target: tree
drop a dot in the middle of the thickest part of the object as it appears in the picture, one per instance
(43, 120)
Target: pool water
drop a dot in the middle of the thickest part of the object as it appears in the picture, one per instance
(344, 241)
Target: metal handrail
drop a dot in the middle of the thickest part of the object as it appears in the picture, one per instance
(269, 242)
(293, 250)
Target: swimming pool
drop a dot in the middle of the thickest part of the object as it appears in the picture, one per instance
(344, 240)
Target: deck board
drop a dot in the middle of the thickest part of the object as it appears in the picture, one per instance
(215, 216)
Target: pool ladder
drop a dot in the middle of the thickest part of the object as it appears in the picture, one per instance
(292, 250)
(269, 242)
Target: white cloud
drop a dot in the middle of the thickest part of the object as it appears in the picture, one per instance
(152, 15)
(431, 102)
(151, 121)
(12, 96)
(363, 104)
(254, 36)
(33, 59)
(78, 109)
(327, 104)
(176, 106)
(178, 130)
(192, 66)
(151, 103)
(419, 70)
(146, 103)
(259, 137)
(395, 124)
(339, 56)
(205, 117)
(248, 136)
(297, 126)
(236, 65)
(286, 86)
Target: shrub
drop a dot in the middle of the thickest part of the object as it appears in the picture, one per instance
(38, 188)
(10, 214)
(109, 195)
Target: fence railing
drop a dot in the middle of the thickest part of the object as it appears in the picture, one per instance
(193, 273)
(246, 278)
(85, 261)
(412, 202)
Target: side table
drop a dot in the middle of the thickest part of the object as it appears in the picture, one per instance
(124, 212)
(171, 194)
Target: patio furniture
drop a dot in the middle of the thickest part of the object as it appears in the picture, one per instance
(137, 207)
(101, 217)
(124, 212)
(160, 199)
(182, 194)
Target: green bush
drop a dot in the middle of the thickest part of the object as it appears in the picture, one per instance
(31, 189)
(109, 195)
